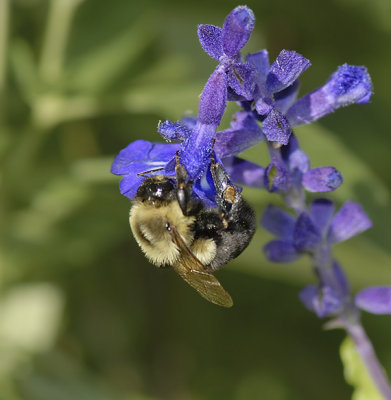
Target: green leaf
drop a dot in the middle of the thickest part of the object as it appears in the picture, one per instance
(356, 374)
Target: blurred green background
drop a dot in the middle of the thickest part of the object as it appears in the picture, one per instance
(82, 314)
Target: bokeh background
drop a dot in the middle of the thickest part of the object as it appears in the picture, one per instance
(82, 314)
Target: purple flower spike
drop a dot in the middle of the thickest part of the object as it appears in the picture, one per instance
(237, 30)
(210, 39)
(285, 70)
(324, 179)
(376, 300)
(323, 301)
(349, 221)
(349, 84)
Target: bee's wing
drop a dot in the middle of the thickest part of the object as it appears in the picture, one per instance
(190, 268)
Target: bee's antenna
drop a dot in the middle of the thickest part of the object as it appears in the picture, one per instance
(150, 171)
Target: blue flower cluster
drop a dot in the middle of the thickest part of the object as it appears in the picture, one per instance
(267, 94)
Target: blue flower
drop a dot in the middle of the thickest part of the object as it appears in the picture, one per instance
(224, 44)
(312, 230)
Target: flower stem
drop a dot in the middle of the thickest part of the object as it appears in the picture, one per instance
(365, 349)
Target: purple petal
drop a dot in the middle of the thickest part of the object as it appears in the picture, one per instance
(240, 79)
(306, 236)
(237, 30)
(299, 160)
(245, 134)
(130, 183)
(281, 251)
(135, 151)
(260, 62)
(245, 120)
(196, 151)
(349, 221)
(189, 122)
(323, 301)
(276, 127)
(288, 149)
(210, 39)
(141, 156)
(264, 106)
(321, 212)
(285, 70)
(284, 99)
(341, 280)
(205, 190)
(349, 84)
(142, 152)
(376, 300)
(173, 130)
(278, 222)
(244, 172)
(277, 177)
(323, 179)
(213, 99)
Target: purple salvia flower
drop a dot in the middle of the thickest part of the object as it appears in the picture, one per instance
(322, 300)
(311, 230)
(292, 171)
(277, 87)
(224, 44)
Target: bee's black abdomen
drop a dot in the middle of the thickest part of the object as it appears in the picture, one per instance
(232, 234)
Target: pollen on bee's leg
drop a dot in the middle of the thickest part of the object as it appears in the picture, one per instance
(229, 194)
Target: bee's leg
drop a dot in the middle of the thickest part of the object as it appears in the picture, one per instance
(227, 195)
(184, 190)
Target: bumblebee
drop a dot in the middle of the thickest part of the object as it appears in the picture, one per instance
(174, 228)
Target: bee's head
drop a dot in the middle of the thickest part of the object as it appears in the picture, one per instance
(156, 190)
